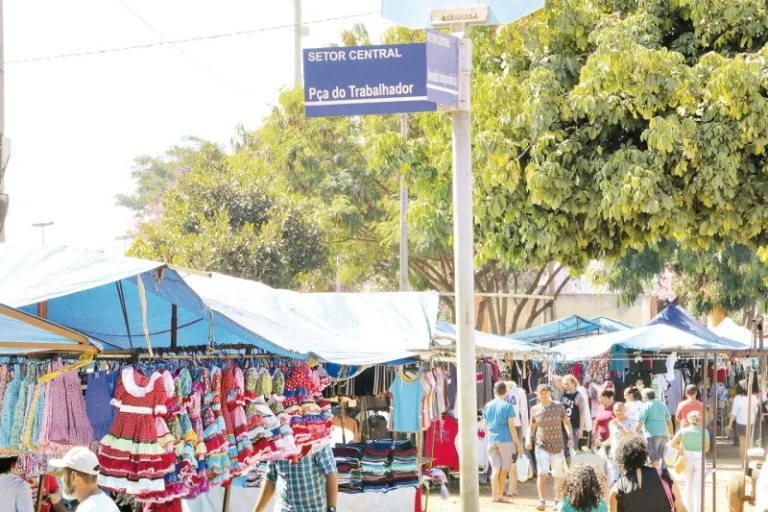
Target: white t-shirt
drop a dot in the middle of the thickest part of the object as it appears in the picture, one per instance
(739, 409)
(16, 493)
(98, 503)
(633, 413)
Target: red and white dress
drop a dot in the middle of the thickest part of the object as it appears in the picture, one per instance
(133, 457)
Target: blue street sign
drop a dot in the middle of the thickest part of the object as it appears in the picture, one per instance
(442, 68)
(416, 13)
(359, 80)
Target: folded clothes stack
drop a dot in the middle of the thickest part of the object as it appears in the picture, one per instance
(348, 467)
(376, 465)
(404, 467)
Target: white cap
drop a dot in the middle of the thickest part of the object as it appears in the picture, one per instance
(80, 459)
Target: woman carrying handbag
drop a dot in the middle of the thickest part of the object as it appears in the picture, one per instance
(691, 449)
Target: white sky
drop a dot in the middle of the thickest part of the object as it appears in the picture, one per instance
(77, 123)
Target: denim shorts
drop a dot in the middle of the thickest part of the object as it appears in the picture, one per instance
(656, 447)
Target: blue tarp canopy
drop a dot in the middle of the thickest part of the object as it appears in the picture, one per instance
(650, 338)
(345, 328)
(574, 326)
(485, 341)
(677, 317)
(21, 333)
(101, 296)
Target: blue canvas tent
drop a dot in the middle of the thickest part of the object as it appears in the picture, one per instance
(116, 300)
(24, 334)
(677, 317)
(574, 326)
(345, 328)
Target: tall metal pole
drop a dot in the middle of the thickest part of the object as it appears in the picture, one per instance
(2, 111)
(404, 216)
(297, 43)
(463, 251)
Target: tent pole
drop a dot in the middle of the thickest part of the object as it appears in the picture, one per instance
(714, 445)
(40, 488)
(704, 429)
(748, 440)
(227, 496)
(174, 326)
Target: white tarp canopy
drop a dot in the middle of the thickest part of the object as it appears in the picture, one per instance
(446, 334)
(651, 338)
(733, 331)
(344, 328)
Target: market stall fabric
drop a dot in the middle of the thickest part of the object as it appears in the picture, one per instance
(446, 335)
(570, 327)
(22, 333)
(677, 317)
(732, 331)
(121, 302)
(651, 338)
(345, 328)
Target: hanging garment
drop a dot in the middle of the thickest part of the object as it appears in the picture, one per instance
(406, 397)
(97, 402)
(9, 407)
(441, 436)
(70, 424)
(132, 458)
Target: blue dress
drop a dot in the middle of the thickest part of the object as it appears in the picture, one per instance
(10, 399)
(97, 401)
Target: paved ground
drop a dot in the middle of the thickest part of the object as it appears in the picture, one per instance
(727, 465)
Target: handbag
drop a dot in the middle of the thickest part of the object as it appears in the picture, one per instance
(524, 469)
(678, 464)
(667, 491)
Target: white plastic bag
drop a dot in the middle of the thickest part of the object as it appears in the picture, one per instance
(524, 469)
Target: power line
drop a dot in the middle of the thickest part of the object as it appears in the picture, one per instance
(182, 52)
(210, 37)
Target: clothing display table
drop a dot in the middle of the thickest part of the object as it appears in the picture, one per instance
(243, 500)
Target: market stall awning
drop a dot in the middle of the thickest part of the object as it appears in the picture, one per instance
(446, 335)
(102, 297)
(651, 338)
(735, 332)
(574, 326)
(25, 334)
(344, 328)
(677, 317)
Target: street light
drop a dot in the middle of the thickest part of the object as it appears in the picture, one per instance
(42, 226)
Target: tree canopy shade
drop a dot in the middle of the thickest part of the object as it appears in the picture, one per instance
(222, 216)
(601, 129)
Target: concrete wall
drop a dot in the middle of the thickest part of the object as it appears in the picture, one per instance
(604, 304)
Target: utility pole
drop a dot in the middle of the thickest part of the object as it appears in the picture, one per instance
(403, 216)
(3, 144)
(42, 226)
(297, 33)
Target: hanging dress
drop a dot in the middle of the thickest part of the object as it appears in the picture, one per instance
(10, 399)
(97, 402)
(132, 459)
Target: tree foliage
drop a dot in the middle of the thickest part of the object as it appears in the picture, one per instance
(221, 216)
(730, 279)
(602, 129)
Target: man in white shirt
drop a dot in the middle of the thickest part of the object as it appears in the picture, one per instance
(80, 469)
(519, 400)
(15, 493)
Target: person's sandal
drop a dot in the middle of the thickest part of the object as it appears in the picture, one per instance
(542, 505)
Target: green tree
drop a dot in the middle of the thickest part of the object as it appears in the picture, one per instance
(730, 278)
(154, 176)
(221, 216)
